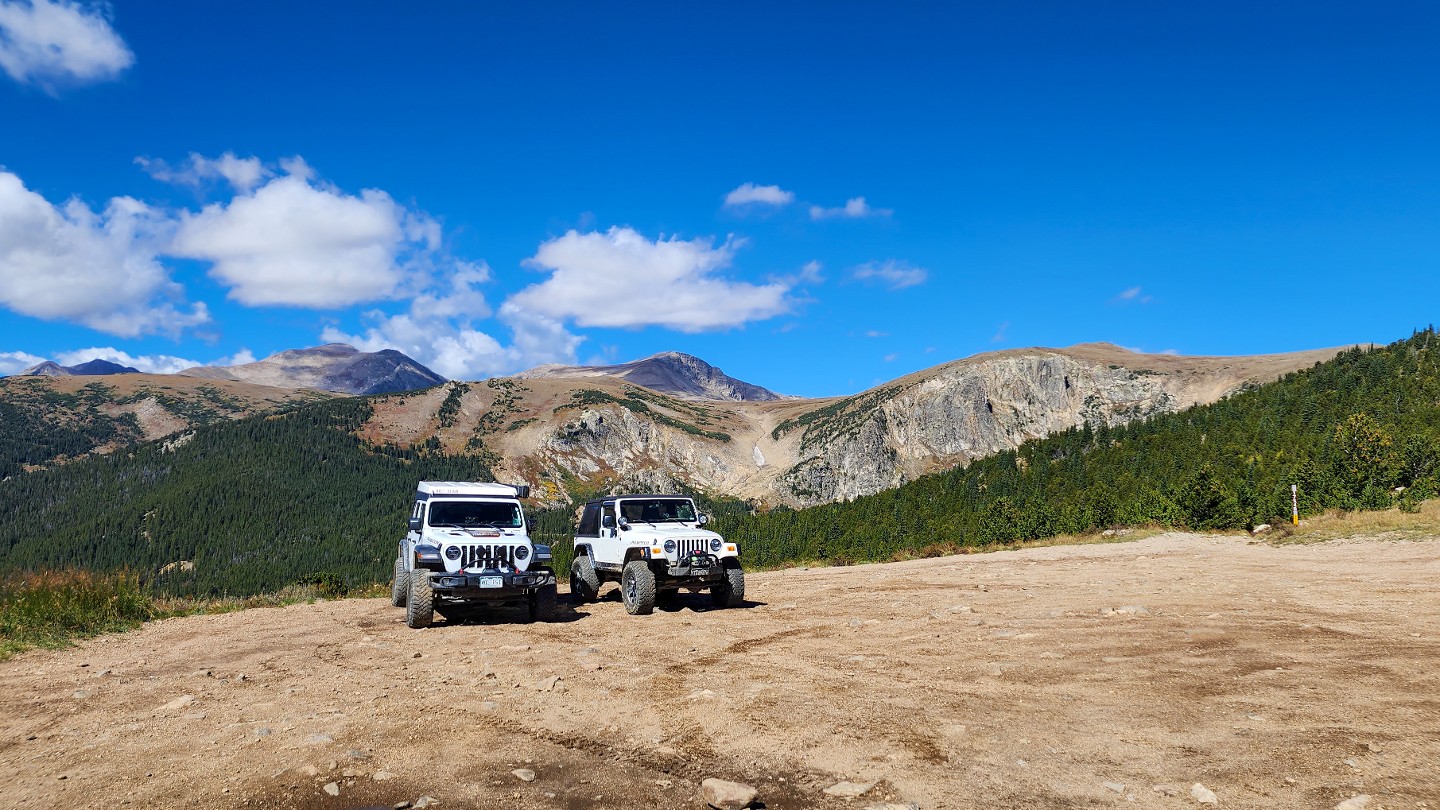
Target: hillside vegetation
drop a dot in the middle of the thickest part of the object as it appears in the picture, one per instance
(252, 505)
(1348, 433)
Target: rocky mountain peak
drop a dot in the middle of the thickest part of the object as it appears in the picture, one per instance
(96, 367)
(674, 373)
(332, 367)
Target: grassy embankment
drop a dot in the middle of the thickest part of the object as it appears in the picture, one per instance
(53, 608)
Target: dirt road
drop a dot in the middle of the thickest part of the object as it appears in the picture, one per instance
(1111, 675)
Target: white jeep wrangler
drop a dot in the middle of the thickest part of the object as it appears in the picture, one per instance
(467, 548)
(653, 545)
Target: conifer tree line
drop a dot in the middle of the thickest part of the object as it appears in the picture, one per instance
(1349, 433)
(262, 502)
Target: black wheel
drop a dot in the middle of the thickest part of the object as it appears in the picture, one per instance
(542, 604)
(420, 609)
(400, 584)
(584, 582)
(730, 591)
(637, 588)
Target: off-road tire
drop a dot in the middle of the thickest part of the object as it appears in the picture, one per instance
(400, 585)
(637, 588)
(420, 608)
(730, 591)
(542, 604)
(584, 581)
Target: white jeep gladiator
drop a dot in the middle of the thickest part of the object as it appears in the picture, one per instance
(468, 548)
(654, 546)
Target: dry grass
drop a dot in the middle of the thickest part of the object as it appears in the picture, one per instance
(1388, 524)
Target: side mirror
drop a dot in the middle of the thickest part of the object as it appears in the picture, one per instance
(607, 522)
(704, 518)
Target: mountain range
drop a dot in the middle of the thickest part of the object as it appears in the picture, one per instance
(573, 430)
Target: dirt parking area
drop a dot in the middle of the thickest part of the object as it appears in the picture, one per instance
(1114, 675)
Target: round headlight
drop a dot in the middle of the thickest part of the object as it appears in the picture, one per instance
(669, 546)
(715, 544)
(453, 552)
(521, 552)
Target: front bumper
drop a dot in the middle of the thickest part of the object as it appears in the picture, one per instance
(489, 586)
(703, 567)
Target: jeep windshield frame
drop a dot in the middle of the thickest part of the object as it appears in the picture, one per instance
(658, 510)
(472, 514)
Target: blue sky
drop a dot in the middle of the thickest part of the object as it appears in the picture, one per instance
(814, 197)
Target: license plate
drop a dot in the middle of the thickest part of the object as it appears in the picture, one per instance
(492, 582)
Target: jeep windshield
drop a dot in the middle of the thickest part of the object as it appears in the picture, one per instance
(658, 510)
(467, 514)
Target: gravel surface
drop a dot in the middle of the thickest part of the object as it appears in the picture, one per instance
(1118, 675)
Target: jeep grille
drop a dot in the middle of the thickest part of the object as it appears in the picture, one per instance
(486, 555)
(689, 545)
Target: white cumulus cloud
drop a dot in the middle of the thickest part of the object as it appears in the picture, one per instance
(53, 42)
(16, 362)
(295, 242)
(97, 269)
(623, 279)
(751, 194)
(854, 208)
(438, 329)
(892, 273)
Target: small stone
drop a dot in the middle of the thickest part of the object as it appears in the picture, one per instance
(1372, 747)
(848, 790)
(310, 770)
(1202, 794)
(425, 801)
(178, 703)
(1358, 802)
(80, 694)
(524, 774)
(383, 776)
(1352, 763)
(548, 684)
(725, 795)
(592, 666)
(1166, 790)
(333, 788)
(1118, 787)
(263, 732)
(319, 739)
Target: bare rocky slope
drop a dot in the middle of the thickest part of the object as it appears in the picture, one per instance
(567, 433)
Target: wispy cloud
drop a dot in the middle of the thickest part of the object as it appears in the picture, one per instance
(893, 273)
(999, 336)
(854, 208)
(751, 194)
(1132, 295)
(50, 43)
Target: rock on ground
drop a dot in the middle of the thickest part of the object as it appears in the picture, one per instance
(725, 795)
